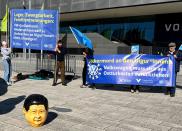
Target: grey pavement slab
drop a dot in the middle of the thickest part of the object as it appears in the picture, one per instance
(72, 108)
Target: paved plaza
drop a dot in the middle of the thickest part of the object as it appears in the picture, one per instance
(106, 108)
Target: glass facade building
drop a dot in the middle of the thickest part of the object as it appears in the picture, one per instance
(119, 30)
(144, 22)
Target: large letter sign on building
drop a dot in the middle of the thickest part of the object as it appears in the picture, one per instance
(34, 29)
(134, 69)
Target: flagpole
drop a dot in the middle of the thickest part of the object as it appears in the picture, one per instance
(7, 29)
(41, 52)
(24, 49)
(4, 23)
(55, 66)
(7, 23)
(29, 50)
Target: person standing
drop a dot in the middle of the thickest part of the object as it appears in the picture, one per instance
(135, 50)
(5, 51)
(178, 57)
(84, 71)
(86, 53)
(60, 52)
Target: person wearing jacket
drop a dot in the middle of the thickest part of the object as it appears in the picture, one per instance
(60, 52)
(6, 52)
(178, 57)
(86, 53)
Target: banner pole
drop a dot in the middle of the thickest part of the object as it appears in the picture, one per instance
(7, 36)
(55, 65)
(29, 50)
(41, 58)
(24, 49)
(55, 71)
(41, 51)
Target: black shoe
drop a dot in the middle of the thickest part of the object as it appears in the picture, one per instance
(64, 84)
(93, 87)
(166, 93)
(172, 95)
(54, 84)
(9, 83)
(137, 91)
(132, 91)
(83, 86)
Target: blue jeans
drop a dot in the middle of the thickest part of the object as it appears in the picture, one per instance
(7, 69)
(172, 90)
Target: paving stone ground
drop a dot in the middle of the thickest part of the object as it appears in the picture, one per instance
(106, 108)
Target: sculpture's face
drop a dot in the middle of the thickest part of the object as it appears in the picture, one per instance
(36, 115)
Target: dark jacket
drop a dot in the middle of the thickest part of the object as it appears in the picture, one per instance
(177, 60)
(60, 56)
(89, 55)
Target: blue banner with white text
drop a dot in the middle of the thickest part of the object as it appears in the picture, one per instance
(34, 29)
(133, 69)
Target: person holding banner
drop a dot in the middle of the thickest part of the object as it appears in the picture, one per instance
(86, 52)
(135, 49)
(5, 51)
(178, 57)
(60, 52)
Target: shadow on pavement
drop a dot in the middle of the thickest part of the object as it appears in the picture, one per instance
(51, 116)
(153, 89)
(179, 86)
(68, 78)
(3, 87)
(111, 87)
(58, 109)
(8, 105)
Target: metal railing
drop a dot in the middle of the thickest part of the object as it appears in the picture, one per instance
(73, 63)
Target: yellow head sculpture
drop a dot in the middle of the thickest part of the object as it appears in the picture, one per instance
(35, 109)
